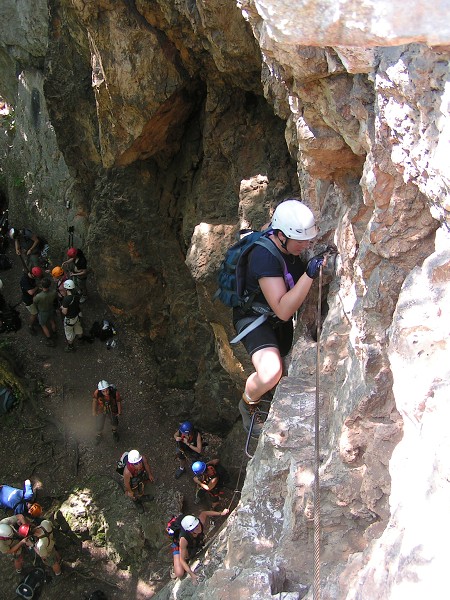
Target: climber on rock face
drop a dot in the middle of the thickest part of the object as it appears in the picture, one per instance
(293, 228)
(190, 539)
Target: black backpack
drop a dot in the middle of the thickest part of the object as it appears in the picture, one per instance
(31, 586)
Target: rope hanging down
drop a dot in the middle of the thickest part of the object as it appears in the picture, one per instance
(316, 587)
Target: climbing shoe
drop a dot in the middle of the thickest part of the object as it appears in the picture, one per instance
(179, 472)
(247, 411)
(116, 436)
(50, 342)
(69, 348)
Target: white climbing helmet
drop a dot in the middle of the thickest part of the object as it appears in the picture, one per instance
(134, 457)
(102, 385)
(69, 284)
(6, 531)
(295, 220)
(189, 522)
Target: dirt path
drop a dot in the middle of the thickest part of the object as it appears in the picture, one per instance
(67, 381)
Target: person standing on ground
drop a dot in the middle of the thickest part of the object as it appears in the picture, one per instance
(40, 538)
(106, 401)
(136, 475)
(189, 441)
(70, 308)
(77, 264)
(28, 243)
(10, 541)
(59, 277)
(45, 302)
(293, 228)
(29, 287)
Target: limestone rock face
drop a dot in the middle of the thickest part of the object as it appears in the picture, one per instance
(159, 130)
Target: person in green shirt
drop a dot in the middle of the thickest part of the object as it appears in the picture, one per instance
(45, 302)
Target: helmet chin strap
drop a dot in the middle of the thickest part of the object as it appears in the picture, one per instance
(283, 243)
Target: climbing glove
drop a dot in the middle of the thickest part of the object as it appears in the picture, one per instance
(313, 266)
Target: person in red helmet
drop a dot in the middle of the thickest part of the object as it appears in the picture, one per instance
(29, 287)
(40, 538)
(76, 263)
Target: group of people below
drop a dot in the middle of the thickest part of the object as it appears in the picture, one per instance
(63, 290)
(25, 529)
(291, 231)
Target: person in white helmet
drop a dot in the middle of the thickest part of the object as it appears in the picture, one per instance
(70, 308)
(279, 293)
(136, 475)
(11, 542)
(190, 539)
(106, 402)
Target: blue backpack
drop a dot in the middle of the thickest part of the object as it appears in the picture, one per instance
(231, 277)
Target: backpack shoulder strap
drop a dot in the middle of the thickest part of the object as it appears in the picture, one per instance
(270, 246)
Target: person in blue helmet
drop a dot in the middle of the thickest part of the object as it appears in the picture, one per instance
(189, 442)
(209, 478)
(20, 501)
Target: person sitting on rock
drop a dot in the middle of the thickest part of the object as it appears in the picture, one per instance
(11, 542)
(209, 480)
(41, 539)
(106, 401)
(136, 475)
(20, 501)
(189, 441)
(78, 267)
(190, 540)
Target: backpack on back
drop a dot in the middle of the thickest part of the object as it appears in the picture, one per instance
(232, 272)
(173, 526)
(122, 463)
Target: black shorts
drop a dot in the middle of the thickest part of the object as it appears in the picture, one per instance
(270, 334)
(183, 450)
